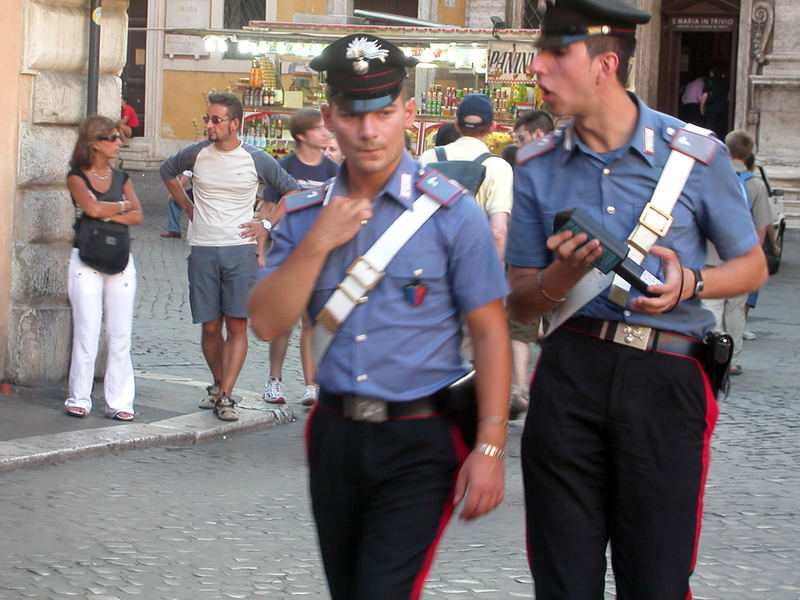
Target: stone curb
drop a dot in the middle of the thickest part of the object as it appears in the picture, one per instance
(185, 430)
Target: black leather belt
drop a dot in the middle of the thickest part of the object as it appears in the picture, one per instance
(637, 336)
(372, 410)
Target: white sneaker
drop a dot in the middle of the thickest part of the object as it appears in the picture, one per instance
(273, 391)
(309, 396)
(748, 335)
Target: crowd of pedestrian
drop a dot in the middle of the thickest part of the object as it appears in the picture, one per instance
(417, 300)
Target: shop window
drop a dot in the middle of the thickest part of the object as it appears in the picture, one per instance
(406, 8)
(239, 13)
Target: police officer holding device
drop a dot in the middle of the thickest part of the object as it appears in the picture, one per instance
(386, 259)
(616, 443)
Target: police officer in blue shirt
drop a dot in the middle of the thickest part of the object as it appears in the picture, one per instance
(386, 466)
(616, 441)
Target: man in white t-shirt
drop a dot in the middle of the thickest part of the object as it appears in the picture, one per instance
(223, 264)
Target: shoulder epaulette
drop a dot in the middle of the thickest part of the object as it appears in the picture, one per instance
(696, 145)
(439, 187)
(295, 201)
(536, 148)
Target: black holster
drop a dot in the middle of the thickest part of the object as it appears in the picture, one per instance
(719, 353)
(459, 402)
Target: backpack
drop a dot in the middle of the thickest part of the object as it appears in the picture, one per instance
(743, 177)
(469, 173)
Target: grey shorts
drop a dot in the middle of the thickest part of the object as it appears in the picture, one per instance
(220, 279)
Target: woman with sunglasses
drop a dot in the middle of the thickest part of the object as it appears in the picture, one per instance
(101, 192)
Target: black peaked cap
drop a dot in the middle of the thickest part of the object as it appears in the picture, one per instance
(363, 72)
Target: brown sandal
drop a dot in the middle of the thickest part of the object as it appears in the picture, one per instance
(225, 409)
(75, 411)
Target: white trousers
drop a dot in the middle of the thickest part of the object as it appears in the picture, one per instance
(729, 314)
(93, 294)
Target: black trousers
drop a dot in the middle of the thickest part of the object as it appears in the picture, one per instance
(382, 494)
(615, 449)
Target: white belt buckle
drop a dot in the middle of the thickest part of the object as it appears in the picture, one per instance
(633, 336)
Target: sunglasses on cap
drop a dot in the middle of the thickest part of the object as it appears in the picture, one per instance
(214, 119)
(110, 138)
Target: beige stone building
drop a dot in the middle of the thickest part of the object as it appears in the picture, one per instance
(749, 42)
(45, 50)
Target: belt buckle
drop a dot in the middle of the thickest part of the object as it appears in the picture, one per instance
(655, 219)
(633, 336)
(365, 273)
(359, 408)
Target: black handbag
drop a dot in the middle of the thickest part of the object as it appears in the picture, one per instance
(459, 402)
(103, 245)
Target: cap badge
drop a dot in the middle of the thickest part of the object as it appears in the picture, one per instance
(361, 50)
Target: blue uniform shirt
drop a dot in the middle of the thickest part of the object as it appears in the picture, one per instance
(614, 188)
(388, 348)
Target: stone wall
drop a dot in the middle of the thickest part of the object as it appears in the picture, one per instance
(53, 65)
(479, 11)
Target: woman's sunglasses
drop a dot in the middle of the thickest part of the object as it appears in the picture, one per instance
(110, 138)
(214, 119)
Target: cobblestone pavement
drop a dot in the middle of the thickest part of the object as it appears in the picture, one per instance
(231, 519)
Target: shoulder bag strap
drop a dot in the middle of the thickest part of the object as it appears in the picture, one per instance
(654, 223)
(365, 273)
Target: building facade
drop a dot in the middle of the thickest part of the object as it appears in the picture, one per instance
(44, 73)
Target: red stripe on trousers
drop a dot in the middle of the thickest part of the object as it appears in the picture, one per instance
(712, 412)
(308, 427)
(461, 455)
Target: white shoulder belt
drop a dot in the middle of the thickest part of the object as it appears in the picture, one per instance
(654, 223)
(365, 273)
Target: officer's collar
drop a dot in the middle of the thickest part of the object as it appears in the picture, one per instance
(643, 140)
(399, 187)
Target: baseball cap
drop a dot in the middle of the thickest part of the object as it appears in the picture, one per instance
(475, 110)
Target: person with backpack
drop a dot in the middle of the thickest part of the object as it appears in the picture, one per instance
(495, 178)
(731, 313)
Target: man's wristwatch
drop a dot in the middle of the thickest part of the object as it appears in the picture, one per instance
(267, 225)
(699, 284)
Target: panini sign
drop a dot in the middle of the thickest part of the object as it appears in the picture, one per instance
(509, 61)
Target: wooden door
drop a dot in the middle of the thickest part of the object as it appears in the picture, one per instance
(697, 36)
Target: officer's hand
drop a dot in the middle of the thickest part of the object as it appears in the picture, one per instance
(674, 285)
(253, 231)
(482, 480)
(573, 250)
(339, 221)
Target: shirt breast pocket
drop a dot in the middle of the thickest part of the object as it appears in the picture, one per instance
(419, 278)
